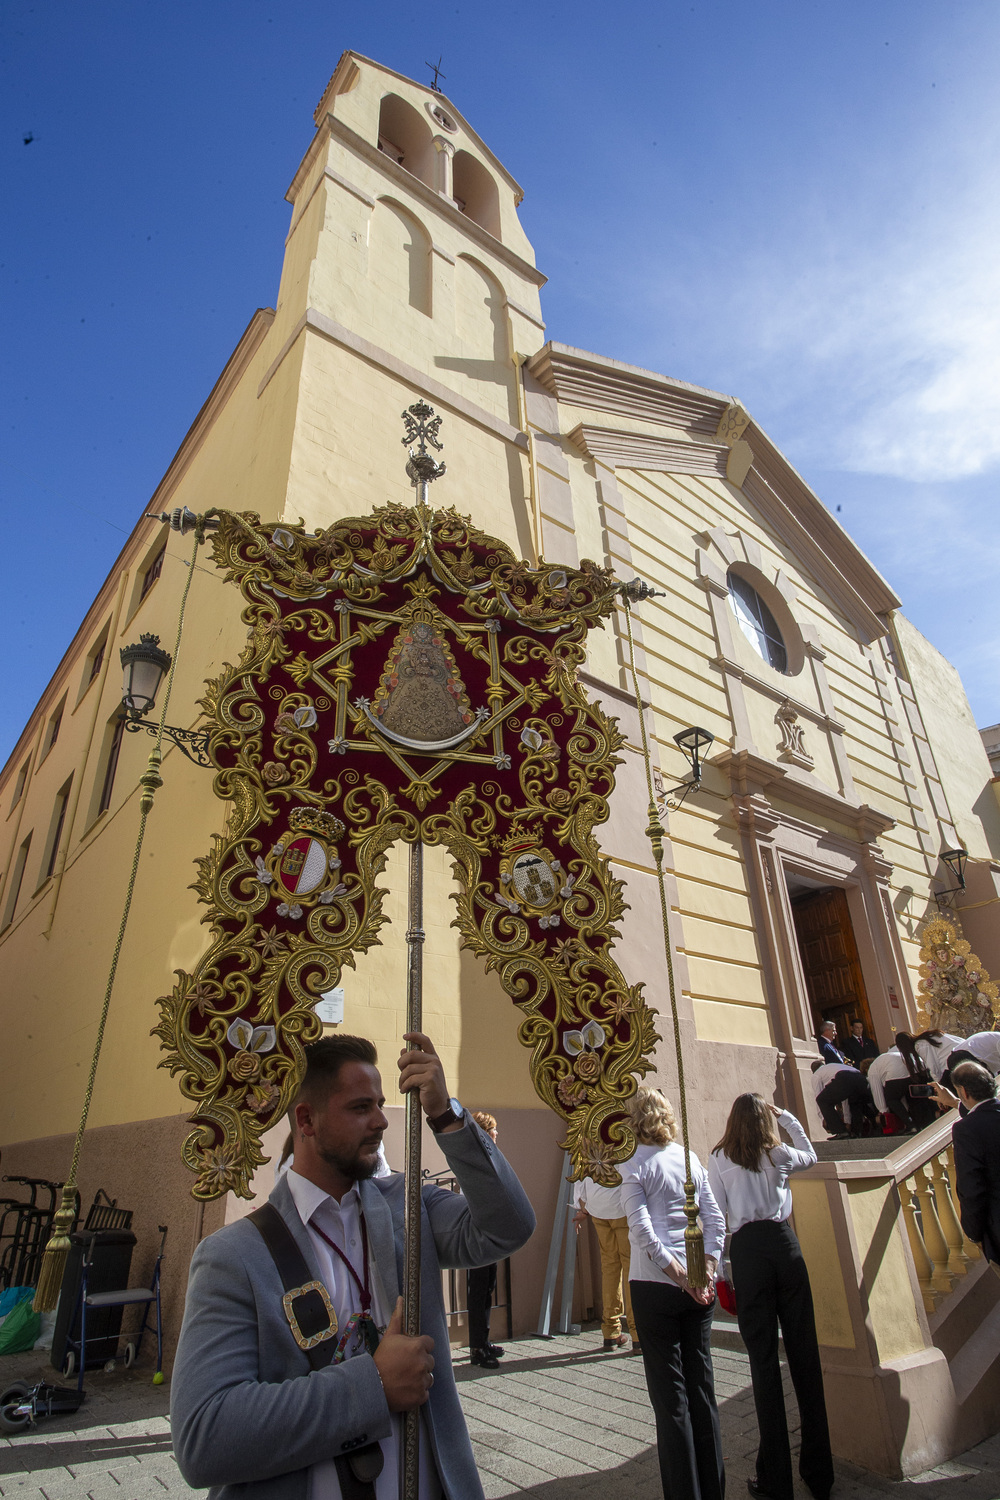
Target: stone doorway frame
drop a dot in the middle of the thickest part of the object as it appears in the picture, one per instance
(841, 850)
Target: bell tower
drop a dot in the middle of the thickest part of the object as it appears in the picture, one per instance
(406, 274)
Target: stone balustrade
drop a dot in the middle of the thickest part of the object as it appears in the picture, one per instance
(903, 1303)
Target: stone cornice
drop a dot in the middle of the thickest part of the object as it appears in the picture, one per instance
(636, 450)
(317, 322)
(779, 695)
(751, 775)
(578, 378)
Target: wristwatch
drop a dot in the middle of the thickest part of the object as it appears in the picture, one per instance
(452, 1116)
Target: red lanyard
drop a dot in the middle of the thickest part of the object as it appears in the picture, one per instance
(362, 1286)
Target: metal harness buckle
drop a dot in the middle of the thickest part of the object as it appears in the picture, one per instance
(309, 1341)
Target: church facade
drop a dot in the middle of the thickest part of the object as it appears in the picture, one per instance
(844, 758)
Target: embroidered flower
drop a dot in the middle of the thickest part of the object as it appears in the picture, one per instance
(274, 773)
(262, 1098)
(220, 1167)
(201, 997)
(244, 1066)
(294, 911)
(270, 943)
(588, 1067)
(559, 797)
(570, 1093)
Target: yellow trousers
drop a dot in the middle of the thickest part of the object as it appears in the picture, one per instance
(612, 1235)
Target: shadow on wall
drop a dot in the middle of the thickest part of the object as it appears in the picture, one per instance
(481, 324)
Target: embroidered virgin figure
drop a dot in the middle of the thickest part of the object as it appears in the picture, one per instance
(422, 696)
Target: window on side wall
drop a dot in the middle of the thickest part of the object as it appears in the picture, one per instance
(55, 724)
(19, 785)
(16, 878)
(153, 572)
(58, 824)
(111, 765)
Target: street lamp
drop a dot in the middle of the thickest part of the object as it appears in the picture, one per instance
(144, 665)
(693, 742)
(955, 859)
(143, 669)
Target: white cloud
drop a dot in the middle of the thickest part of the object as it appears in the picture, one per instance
(911, 334)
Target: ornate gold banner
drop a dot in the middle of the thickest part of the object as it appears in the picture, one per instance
(405, 677)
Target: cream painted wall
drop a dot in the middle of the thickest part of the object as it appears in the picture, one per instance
(307, 428)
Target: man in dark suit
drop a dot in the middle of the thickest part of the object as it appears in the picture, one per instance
(826, 1040)
(858, 1046)
(977, 1157)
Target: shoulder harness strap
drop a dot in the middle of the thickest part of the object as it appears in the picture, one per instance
(313, 1323)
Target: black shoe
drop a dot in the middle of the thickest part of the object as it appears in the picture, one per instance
(495, 1349)
(485, 1358)
(615, 1343)
(757, 1491)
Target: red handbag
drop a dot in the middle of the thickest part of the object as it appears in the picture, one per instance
(726, 1293)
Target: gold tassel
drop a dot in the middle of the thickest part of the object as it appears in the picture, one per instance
(694, 1241)
(54, 1260)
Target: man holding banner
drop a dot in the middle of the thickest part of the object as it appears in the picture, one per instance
(292, 1364)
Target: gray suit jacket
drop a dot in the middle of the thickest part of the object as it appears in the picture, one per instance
(249, 1417)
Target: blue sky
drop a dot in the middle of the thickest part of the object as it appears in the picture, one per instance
(793, 203)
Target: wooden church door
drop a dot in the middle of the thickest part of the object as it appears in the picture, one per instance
(830, 962)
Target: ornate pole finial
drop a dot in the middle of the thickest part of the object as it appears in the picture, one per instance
(422, 428)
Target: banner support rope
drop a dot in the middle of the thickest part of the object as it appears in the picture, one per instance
(694, 1242)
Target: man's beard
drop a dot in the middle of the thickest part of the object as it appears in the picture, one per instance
(351, 1167)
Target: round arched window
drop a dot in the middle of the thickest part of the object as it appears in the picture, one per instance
(757, 622)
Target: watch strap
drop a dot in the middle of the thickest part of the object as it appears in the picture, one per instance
(449, 1117)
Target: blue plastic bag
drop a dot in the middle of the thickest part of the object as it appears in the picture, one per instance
(12, 1295)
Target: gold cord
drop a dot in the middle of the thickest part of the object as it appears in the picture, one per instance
(693, 1239)
(53, 1261)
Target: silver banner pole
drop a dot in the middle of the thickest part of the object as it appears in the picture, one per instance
(409, 1471)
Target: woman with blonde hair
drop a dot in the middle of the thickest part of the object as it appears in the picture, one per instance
(749, 1171)
(673, 1320)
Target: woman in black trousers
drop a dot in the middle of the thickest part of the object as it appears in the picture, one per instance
(673, 1320)
(749, 1171)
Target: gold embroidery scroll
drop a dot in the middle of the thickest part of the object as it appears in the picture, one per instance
(405, 677)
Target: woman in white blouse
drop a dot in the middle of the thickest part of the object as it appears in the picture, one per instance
(673, 1320)
(749, 1171)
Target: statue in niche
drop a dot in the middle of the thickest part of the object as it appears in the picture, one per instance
(421, 696)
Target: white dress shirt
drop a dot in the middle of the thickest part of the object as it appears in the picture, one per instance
(985, 1048)
(342, 1223)
(652, 1195)
(934, 1055)
(884, 1068)
(752, 1197)
(826, 1073)
(600, 1202)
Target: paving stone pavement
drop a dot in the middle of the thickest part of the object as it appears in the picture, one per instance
(559, 1420)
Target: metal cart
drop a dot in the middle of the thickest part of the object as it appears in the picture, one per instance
(144, 1297)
